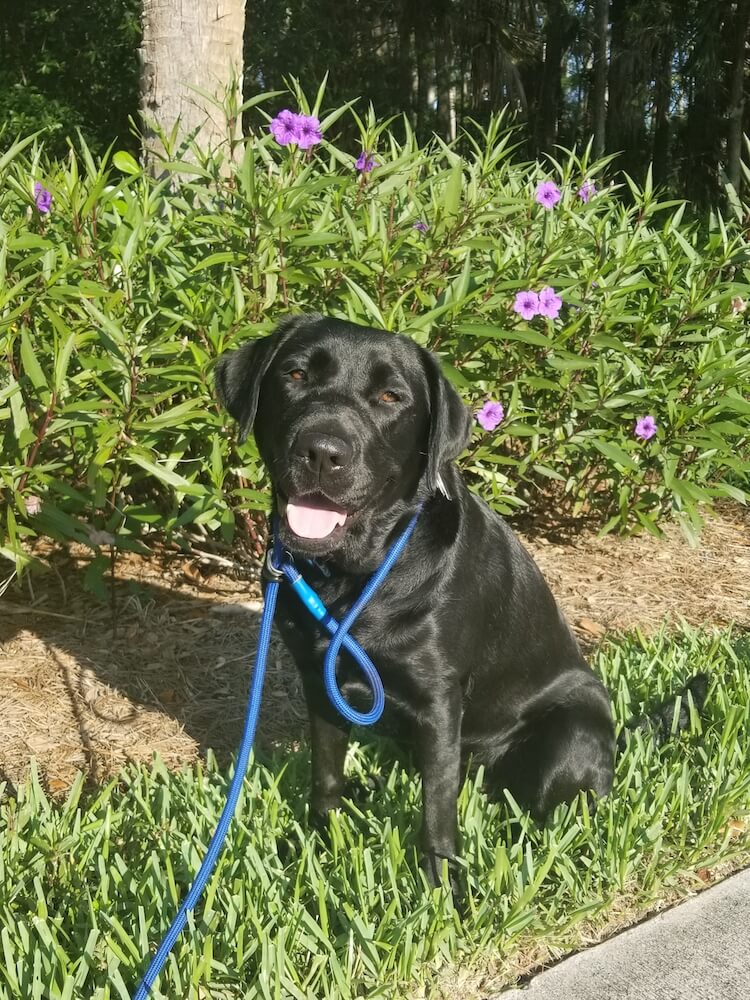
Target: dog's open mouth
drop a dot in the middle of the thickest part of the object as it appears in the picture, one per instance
(310, 519)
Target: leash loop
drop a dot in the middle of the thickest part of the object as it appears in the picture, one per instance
(340, 632)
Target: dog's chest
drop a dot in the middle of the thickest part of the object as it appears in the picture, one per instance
(383, 631)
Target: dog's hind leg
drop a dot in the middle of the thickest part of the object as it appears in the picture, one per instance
(561, 751)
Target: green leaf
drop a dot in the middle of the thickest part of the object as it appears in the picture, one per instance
(614, 453)
(222, 257)
(453, 191)
(18, 412)
(93, 578)
(125, 162)
(15, 148)
(316, 240)
(454, 375)
(461, 285)
(525, 336)
(30, 363)
(176, 416)
(371, 311)
(547, 472)
(167, 476)
(570, 363)
(62, 361)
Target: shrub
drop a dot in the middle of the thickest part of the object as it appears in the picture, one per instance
(117, 301)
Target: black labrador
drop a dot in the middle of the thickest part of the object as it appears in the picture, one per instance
(358, 427)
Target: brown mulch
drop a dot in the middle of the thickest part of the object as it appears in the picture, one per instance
(86, 685)
(615, 583)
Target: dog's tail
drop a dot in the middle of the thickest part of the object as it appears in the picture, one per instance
(659, 722)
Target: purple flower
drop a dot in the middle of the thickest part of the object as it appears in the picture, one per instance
(645, 428)
(289, 128)
(490, 415)
(285, 127)
(586, 191)
(43, 198)
(526, 304)
(420, 226)
(365, 162)
(309, 131)
(549, 303)
(548, 194)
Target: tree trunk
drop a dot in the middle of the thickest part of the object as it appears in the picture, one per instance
(704, 127)
(424, 78)
(443, 67)
(190, 44)
(599, 95)
(736, 93)
(549, 108)
(407, 71)
(625, 112)
(663, 100)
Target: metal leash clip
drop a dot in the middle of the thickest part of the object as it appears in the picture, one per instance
(272, 571)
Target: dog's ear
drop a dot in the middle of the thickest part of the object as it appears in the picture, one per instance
(238, 375)
(450, 421)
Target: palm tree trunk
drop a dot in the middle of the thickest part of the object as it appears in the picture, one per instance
(187, 45)
(424, 78)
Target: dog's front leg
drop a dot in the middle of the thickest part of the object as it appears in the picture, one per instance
(329, 739)
(438, 751)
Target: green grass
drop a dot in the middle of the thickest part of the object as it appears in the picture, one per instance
(87, 887)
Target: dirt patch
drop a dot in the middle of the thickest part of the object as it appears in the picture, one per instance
(165, 667)
(615, 583)
(167, 673)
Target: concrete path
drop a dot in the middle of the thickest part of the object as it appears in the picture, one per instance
(700, 950)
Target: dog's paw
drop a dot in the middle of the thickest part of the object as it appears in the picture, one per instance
(433, 866)
(361, 789)
(319, 822)
(287, 849)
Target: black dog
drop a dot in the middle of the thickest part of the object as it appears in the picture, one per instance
(357, 428)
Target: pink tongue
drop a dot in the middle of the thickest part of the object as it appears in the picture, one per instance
(312, 522)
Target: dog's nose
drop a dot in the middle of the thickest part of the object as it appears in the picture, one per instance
(323, 453)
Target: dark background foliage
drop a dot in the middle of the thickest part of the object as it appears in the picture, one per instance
(659, 81)
(67, 65)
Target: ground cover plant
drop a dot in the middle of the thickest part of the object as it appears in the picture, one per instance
(601, 340)
(88, 885)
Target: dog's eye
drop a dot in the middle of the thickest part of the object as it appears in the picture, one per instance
(388, 397)
(298, 375)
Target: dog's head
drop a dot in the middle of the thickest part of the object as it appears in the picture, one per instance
(350, 421)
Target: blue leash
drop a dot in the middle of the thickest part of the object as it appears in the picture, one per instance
(281, 565)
